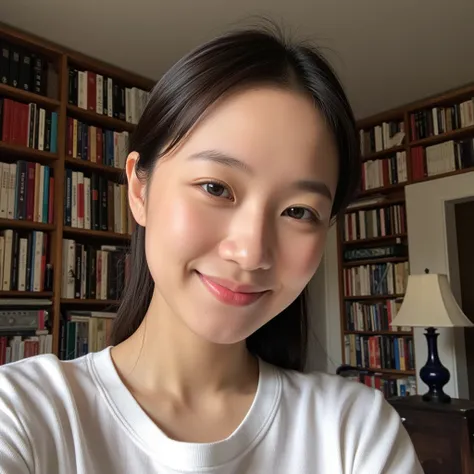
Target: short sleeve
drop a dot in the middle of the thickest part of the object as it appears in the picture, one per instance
(384, 446)
(15, 449)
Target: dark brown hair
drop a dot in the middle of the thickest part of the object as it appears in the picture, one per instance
(180, 98)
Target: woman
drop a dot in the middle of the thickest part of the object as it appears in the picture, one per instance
(245, 154)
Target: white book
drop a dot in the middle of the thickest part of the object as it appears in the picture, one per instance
(99, 96)
(123, 149)
(87, 203)
(110, 97)
(41, 125)
(104, 276)
(2, 253)
(80, 183)
(7, 259)
(82, 89)
(4, 179)
(74, 199)
(22, 264)
(38, 260)
(11, 193)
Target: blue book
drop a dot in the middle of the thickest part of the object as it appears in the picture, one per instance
(54, 132)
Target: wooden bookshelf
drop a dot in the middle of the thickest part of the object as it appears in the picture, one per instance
(100, 120)
(98, 234)
(59, 61)
(418, 118)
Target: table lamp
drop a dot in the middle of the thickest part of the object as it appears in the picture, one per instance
(429, 303)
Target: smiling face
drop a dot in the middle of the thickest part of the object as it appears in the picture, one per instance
(237, 216)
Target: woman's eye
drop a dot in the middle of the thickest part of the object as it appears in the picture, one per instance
(301, 213)
(216, 189)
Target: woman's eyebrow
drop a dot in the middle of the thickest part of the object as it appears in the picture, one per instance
(221, 158)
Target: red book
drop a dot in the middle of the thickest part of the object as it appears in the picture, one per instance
(24, 112)
(30, 191)
(14, 120)
(80, 203)
(91, 91)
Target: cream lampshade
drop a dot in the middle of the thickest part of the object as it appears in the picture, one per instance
(429, 303)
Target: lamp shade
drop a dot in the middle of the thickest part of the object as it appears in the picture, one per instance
(429, 302)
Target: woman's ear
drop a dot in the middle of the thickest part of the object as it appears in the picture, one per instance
(136, 190)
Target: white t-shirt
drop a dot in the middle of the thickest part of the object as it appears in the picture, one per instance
(78, 417)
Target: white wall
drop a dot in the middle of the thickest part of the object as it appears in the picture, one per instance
(432, 244)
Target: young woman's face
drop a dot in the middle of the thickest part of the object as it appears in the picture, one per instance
(236, 218)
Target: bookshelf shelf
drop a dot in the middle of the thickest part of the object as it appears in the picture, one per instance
(373, 297)
(26, 96)
(375, 205)
(101, 120)
(374, 261)
(452, 135)
(382, 238)
(26, 153)
(85, 302)
(84, 164)
(445, 175)
(30, 225)
(26, 294)
(381, 333)
(102, 234)
(388, 371)
(383, 153)
(385, 189)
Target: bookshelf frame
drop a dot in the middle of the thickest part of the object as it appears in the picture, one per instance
(395, 194)
(62, 58)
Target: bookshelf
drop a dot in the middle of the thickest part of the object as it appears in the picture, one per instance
(429, 139)
(64, 131)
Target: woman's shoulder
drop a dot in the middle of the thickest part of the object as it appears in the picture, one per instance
(41, 375)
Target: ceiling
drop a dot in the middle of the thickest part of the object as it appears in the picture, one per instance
(387, 53)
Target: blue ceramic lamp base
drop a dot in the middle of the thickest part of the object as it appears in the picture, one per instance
(434, 374)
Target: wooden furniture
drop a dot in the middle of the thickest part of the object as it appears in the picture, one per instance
(441, 433)
(62, 60)
(427, 124)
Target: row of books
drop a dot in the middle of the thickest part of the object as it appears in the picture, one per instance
(27, 191)
(27, 70)
(364, 316)
(90, 272)
(438, 120)
(105, 96)
(442, 158)
(24, 328)
(28, 125)
(376, 279)
(384, 172)
(24, 261)
(82, 332)
(372, 223)
(93, 202)
(15, 348)
(96, 145)
(380, 352)
(381, 137)
(391, 386)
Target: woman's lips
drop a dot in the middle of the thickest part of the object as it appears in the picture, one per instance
(229, 292)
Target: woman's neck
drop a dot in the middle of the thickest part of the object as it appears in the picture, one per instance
(163, 355)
